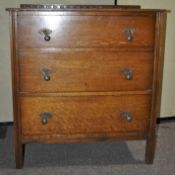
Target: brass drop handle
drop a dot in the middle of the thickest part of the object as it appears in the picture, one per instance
(127, 116)
(46, 32)
(46, 74)
(45, 116)
(128, 73)
(130, 32)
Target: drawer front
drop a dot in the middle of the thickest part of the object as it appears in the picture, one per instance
(70, 71)
(85, 31)
(68, 115)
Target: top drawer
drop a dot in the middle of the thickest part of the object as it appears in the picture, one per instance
(44, 31)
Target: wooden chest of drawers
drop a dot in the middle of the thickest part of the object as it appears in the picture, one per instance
(83, 74)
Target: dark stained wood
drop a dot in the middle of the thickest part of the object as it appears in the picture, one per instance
(87, 91)
(94, 8)
(61, 6)
(157, 85)
(19, 147)
(85, 71)
(85, 31)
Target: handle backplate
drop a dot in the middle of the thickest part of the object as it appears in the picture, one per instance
(128, 73)
(46, 74)
(46, 32)
(130, 33)
(127, 116)
(45, 116)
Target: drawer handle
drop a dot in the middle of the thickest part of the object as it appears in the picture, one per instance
(46, 74)
(130, 33)
(46, 32)
(127, 116)
(128, 73)
(45, 116)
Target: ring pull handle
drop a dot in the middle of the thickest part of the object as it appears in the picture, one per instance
(130, 32)
(46, 74)
(127, 116)
(45, 116)
(46, 32)
(128, 73)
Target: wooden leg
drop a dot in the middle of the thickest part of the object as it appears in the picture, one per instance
(150, 150)
(19, 155)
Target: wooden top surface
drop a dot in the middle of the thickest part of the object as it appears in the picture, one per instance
(59, 7)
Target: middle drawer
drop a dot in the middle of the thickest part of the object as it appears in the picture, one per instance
(78, 71)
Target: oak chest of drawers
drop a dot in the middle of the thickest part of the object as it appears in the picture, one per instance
(86, 73)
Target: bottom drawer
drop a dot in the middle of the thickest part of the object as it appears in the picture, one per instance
(86, 114)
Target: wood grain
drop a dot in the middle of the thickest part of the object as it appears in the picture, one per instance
(77, 71)
(85, 31)
(84, 114)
